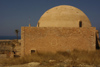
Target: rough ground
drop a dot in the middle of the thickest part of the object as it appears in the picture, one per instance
(51, 64)
(32, 64)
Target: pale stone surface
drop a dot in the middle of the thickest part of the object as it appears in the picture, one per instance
(52, 61)
(63, 16)
(32, 64)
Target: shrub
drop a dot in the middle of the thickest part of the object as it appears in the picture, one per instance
(77, 57)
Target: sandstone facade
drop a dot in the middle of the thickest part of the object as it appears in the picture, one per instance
(45, 39)
(62, 28)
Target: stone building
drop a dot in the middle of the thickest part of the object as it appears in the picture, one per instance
(61, 28)
(10, 48)
(5, 48)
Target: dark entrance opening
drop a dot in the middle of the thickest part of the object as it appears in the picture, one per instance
(97, 44)
(32, 51)
(80, 23)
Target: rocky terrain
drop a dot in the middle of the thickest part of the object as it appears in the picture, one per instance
(9, 48)
(61, 59)
(51, 64)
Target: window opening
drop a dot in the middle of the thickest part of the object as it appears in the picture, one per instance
(32, 51)
(80, 23)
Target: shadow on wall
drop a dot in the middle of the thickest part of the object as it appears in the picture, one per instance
(97, 43)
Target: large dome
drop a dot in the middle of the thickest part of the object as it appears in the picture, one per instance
(64, 16)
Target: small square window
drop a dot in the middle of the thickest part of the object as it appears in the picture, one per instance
(32, 51)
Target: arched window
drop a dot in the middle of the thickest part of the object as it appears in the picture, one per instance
(80, 23)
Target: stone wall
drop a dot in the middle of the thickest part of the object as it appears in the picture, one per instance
(5, 45)
(52, 39)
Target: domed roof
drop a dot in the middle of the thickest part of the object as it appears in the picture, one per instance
(64, 16)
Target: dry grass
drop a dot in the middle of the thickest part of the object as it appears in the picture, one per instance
(77, 57)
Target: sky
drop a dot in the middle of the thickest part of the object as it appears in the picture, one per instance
(16, 13)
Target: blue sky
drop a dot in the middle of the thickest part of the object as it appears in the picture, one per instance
(16, 13)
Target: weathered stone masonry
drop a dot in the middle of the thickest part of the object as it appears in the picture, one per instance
(61, 28)
(53, 39)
